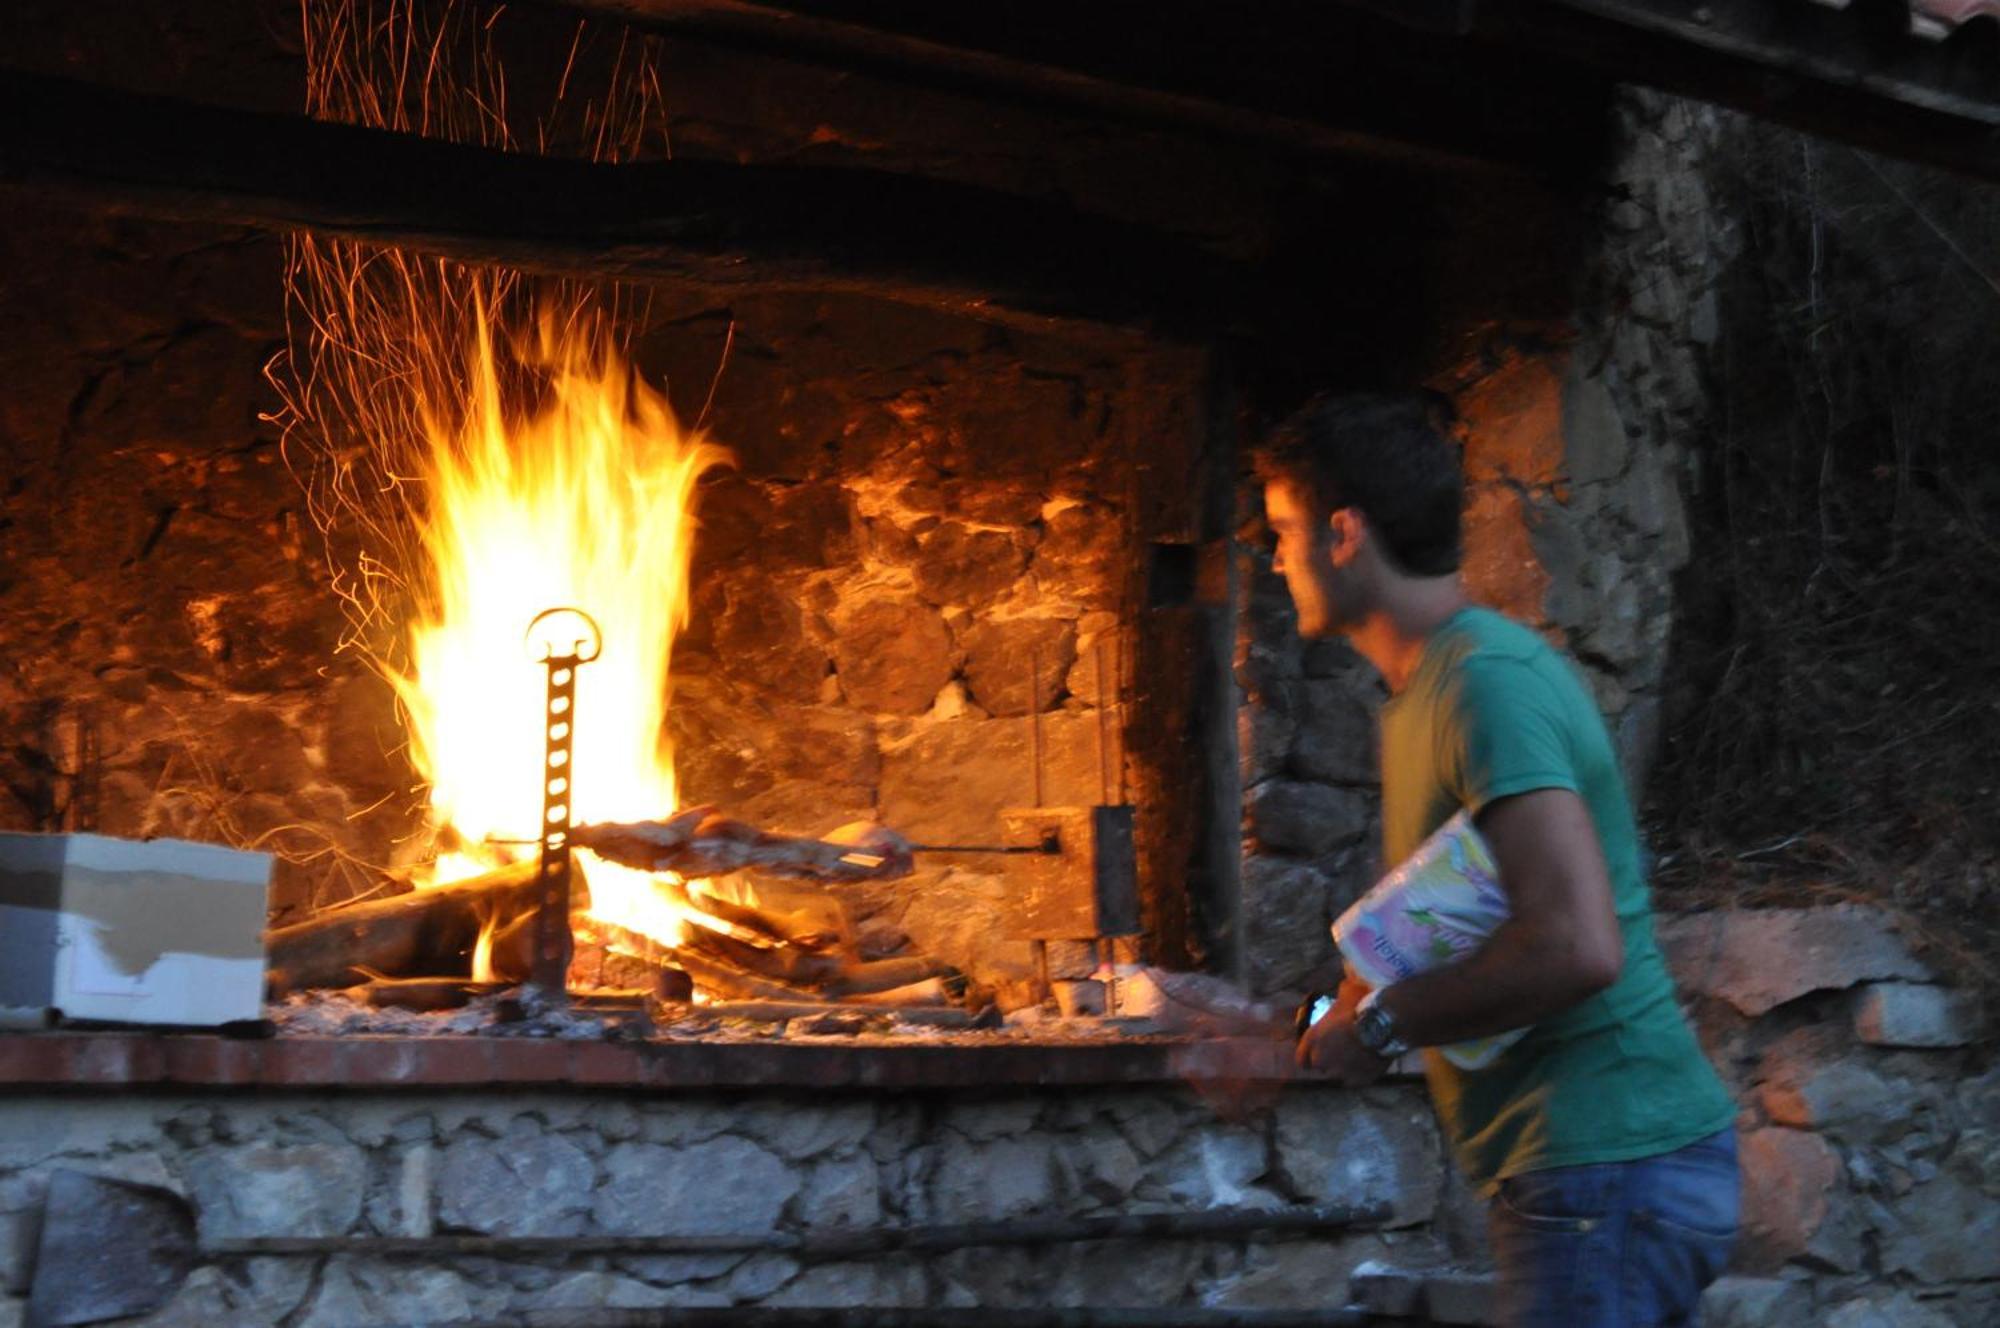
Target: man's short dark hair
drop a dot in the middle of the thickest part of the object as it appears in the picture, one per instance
(1386, 455)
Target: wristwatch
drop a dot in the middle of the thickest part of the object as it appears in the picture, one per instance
(1375, 1030)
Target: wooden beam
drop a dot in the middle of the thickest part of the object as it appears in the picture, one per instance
(1834, 73)
(1035, 264)
(938, 66)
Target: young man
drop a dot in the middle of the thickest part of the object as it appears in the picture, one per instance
(1602, 1139)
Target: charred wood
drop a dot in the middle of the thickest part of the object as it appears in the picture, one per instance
(784, 963)
(882, 975)
(930, 991)
(424, 993)
(775, 1011)
(719, 977)
(410, 935)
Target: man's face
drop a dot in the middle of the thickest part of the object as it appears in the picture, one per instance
(1305, 558)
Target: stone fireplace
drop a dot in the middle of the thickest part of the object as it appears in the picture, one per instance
(986, 542)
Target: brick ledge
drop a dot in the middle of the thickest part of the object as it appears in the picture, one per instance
(93, 1060)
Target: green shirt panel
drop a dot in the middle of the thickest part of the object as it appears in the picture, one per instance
(1493, 711)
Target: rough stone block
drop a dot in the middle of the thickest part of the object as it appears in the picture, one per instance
(1099, 1165)
(1288, 816)
(1804, 1087)
(1910, 1014)
(1460, 1296)
(1288, 1273)
(265, 1190)
(354, 1293)
(1787, 1175)
(843, 1191)
(1513, 419)
(1125, 1272)
(1901, 1310)
(1756, 1302)
(959, 565)
(725, 1186)
(1386, 1290)
(1946, 1231)
(20, 1231)
(1335, 738)
(1758, 959)
(1501, 568)
(527, 1184)
(1017, 666)
(1003, 1178)
(1976, 1156)
(1286, 913)
(873, 1282)
(1340, 1148)
(892, 655)
(1595, 447)
(600, 1291)
(945, 783)
(1214, 1167)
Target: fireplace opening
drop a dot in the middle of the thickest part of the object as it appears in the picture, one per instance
(889, 451)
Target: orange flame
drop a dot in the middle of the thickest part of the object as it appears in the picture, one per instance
(560, 478)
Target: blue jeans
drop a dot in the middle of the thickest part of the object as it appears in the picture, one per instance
(1616, 1244)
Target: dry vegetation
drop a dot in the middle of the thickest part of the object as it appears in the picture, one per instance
(1835, 728)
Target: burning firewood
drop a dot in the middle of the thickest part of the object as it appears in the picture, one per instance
(719, 977)
(861, 979)
(701, 842)
(408, 935)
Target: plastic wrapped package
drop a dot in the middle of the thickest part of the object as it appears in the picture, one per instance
(1434, 909)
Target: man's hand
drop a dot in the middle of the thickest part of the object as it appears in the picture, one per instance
(1331, 1046)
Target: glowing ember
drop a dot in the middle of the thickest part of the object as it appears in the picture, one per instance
(559, 478)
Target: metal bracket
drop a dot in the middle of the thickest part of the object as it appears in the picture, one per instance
(553, 941)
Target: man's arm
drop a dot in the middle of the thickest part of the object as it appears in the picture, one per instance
(1560, 944)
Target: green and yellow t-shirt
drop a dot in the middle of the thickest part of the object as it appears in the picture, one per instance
(1493, 711)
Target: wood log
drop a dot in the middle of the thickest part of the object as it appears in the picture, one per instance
(785, 963)
(777, 1011)
(931, 991)
(420, 934)
(719, 977)
(425, 993)
(883, 975)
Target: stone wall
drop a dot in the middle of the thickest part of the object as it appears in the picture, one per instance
(1870, 1123)
(576, 1164)
(922, 569)
(1576, 436)
(925, 539)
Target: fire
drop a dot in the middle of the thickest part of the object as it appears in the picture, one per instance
(554, 476)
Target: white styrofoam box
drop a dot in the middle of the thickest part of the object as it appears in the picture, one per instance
(160, 931)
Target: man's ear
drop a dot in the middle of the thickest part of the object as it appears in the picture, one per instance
(1347, 531)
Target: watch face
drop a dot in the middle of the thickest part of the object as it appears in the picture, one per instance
(1373, 1029)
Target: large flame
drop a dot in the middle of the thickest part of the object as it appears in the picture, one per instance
(556, 478)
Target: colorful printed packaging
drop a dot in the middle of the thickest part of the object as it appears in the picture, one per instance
(1434, 909)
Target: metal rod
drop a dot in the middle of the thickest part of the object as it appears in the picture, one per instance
(867, 1316)
(1046, 846)
(1103, 727)
(1035, 716)
(554, 945)
(835, 1244)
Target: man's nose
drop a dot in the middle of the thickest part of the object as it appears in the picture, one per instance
(1278, 561)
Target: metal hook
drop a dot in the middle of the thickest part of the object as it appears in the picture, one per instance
(595, 639)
